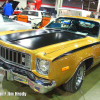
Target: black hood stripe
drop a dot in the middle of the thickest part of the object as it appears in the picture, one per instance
(29, 37)
(75, 50)
(40, 38)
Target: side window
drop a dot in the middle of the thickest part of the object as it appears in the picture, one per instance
(32, 13)
(36, 13)
(92, 28)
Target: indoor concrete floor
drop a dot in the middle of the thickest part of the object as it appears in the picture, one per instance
(90, 89)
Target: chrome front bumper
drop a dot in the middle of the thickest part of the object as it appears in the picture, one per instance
(36, 85)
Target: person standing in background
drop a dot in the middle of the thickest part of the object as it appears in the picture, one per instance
(6, 2)
(92, 15)
(21, 8)
(44, 10)
(55, 12)
(17, 8)
(8, 10)
(28, 7)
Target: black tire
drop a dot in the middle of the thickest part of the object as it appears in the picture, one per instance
(75, 82)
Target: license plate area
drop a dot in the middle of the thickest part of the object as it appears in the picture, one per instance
(2, 71)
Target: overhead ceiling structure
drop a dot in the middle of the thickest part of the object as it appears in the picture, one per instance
(73, 3)
(43, 1)
(90, 5)
(32, 1)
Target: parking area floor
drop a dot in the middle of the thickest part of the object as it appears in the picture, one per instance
(90, 90)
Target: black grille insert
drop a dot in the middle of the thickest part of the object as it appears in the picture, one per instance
(15, 57)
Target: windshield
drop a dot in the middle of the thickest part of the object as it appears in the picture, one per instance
(6, 19)
(33, 13)
(75, 25)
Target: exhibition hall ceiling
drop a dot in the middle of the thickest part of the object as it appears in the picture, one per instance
(90, 5)
(31, 1)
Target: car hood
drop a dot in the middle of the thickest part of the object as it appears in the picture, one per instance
(40, 38)
(16, 24)
(12, 23)
(48, 42)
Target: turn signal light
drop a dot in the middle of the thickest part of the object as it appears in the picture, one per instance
(65, 68)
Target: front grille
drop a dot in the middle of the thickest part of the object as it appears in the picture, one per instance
(15, 57)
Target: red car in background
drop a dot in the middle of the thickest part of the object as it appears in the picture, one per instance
(17, 12)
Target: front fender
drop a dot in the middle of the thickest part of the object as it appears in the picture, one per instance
(72, 60)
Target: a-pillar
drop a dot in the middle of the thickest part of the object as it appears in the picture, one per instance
(58, 5)
(98, 9)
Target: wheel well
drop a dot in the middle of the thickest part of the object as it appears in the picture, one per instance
(89, 63)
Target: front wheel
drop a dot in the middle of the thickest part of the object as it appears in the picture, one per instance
(75, 82)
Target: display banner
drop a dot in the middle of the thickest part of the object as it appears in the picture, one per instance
(37, 4)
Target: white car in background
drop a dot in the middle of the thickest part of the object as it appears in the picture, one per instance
(7, 24)
(34, 16)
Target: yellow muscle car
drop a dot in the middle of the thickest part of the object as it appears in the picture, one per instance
(57, 54)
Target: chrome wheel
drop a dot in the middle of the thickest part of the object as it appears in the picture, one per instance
(80, 76)
(75, 82)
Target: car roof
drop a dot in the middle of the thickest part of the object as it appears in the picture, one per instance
(86, 18)
(34, 10)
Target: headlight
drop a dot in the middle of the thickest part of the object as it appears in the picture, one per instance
(42, 66)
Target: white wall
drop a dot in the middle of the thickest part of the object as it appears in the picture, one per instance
(85, 13)
(23, 3)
